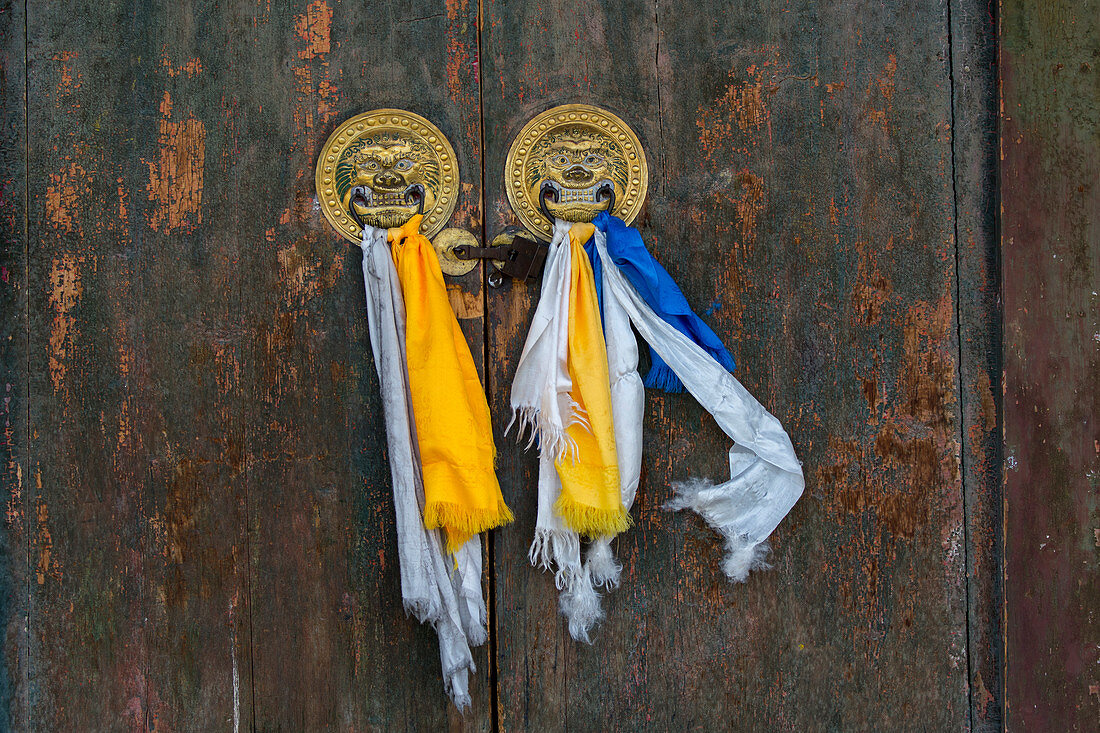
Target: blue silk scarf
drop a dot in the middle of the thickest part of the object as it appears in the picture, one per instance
(660, 292)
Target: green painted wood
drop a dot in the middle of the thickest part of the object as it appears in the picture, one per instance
(332, 647)
(1050, 238)
(14, 447)
(212, 543)
(802, 194)
(974, 139)
(139, 579)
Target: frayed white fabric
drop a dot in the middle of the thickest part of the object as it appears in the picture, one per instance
(765, 475)
(435, 588)
(542, 404)
(541, 390)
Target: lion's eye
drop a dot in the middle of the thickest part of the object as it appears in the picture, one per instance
(403, 164)
(560, 160)
(371, 165)
(593, 160)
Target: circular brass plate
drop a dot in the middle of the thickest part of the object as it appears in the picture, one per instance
(576, 147)
(444, 244)
(388, 151)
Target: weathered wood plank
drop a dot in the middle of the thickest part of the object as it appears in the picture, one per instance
(333, 648)
(802, 195)
(1050, 234)
(213, 534)
(14, 445)
(139, 602)
(974, 127)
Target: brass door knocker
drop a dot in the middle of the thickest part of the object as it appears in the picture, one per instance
(383, 167)
(572, 162)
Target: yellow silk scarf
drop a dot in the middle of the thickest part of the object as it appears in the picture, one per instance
(453, 430)
(590, 502)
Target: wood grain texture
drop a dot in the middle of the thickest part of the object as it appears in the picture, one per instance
(802, 195)
(974, 156)
(332, 646)
(1050, 189)
(14, 447)
(212, 540)
(138, 607)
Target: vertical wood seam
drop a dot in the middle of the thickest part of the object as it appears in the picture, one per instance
(960, 411)
(27, 356)
(490, 538)
(1002, 386)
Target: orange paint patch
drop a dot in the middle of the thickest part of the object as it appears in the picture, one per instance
(749, 205)
(123, 210)
(315, 28)
(466, 305)
(881, 105)
(69, 82)
(190, 68)
(872, 290)
(63, 195)
(741, 108)
(299, 275)
(905, 474)
(175, 181)
(47, 565)
(65, 292)
(458, 52)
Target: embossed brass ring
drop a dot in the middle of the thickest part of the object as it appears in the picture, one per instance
(572, 162)
(383, 167)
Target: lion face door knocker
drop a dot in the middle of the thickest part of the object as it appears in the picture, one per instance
(383, 167)
(572, 162)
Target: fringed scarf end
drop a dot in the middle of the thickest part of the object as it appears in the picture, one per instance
(602, 565)
(580, 604)
(553, 440)
(462, 522)
(661, 376)
(591, 521)
(743, 554)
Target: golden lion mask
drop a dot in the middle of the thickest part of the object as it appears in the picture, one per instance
(387, 178)
(576, 173)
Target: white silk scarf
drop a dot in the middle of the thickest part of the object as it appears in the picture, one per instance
(542, 404)
(437, 588)
(765, 476)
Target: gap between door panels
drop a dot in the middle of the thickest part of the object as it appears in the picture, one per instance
(491, 601)
(972, 43)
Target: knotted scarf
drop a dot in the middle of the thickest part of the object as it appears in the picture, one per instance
(453, 430)
(660, 292)
(437, 588)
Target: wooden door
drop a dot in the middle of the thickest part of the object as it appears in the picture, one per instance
(199, 530)
(803, 193)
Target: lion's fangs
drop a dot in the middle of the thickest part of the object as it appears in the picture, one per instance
(578, 195)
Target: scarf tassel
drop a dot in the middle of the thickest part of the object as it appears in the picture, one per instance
(463, 522)
(592, 521)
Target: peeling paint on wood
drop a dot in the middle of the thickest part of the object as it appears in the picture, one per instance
(802, 189)
(192, 456)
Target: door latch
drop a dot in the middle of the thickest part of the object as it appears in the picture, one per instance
(513, 254)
